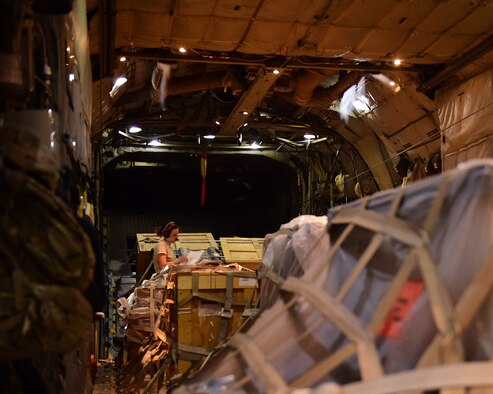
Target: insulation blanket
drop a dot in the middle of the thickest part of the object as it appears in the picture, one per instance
(290, 251)
(466, 119)
(438, 230)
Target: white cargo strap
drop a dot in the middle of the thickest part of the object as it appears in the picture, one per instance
(466, 308)
(312, 275)
(369, 252)
(441, 304)
(396, 228)
(272, 276)
(266, 374)
(452, 376)
(345, 320)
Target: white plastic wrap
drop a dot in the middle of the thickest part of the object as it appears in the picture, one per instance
(293, 341)
(291, 250)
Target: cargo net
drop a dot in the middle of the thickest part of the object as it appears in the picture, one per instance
(213, 304)
(147, 346)
(400, 302)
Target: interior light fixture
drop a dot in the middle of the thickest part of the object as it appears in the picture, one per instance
(392, 83)
(68, 49)
(119, 82)
(74, 143)
(182, 50)
(244, 112)
(71, 77)
(309, 136)
(245, 124)
(361, 104)
(397, 62)
(276, 71)
(209, 136)
(217, 122)
(155, 143)
(134, 129)
(254, 145)
(123, 59)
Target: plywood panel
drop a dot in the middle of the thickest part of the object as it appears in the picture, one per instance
(195, 241)
(246, 252)
(199, 313)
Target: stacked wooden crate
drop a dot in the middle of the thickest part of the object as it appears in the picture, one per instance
(195, 241)
(246, 252)
(212, 304)
(147, 241)
(145, 245)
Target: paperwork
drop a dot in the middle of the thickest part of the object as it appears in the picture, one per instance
(194, 257)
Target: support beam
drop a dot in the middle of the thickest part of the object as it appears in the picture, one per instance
(250, 100)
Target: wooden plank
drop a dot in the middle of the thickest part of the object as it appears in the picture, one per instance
(242, 250)
(213, 280)
(199, 319)
(145, 244)
(195, 241)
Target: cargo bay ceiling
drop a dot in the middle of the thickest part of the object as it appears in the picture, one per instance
(354, 73)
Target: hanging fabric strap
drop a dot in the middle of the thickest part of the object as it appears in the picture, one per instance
(210, 297)
(226, 313)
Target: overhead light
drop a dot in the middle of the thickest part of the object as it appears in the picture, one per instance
(68, 49)
(134, 129)
(309, 136)
(245, 112)
(74, 143)
(209, 136)
(397, 62)
(276, 71)
(119, 82)
(123, 59)
(217, 122)
(254, 145)
(392, 83)
(71, 77)
(182, 50)
(155, 143)
(245, 124)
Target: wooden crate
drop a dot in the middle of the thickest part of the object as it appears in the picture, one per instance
(145, 244)
(202, 310)
(195, 241)
(246, 252)
(147, 241)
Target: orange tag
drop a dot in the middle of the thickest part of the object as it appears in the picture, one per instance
(407, 297)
